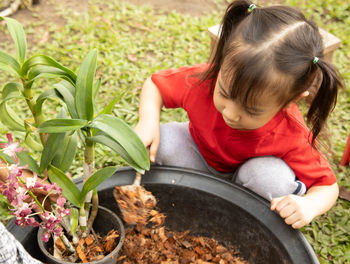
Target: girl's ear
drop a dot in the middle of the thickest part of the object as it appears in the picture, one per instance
(301, 96)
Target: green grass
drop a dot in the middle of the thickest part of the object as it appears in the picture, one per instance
(329, 233)
(134, 42)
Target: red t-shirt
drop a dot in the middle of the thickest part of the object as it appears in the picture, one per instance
(285, 136)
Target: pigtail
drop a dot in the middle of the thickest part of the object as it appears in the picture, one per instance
(325, 98)
(235, 13)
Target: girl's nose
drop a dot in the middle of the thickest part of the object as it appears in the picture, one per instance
(231, 114)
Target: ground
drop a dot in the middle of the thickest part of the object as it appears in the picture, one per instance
(46, 10)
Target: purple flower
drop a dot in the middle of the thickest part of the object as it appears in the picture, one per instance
(31, 221)
(57, 231)
(31, 181)
(11, 148)
(61, 201)
(50, 223)
(67, 211)
(20, 221)
(46, 236)
(23, 201)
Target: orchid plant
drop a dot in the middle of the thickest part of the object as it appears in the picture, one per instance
(22, 199)
(56, 140)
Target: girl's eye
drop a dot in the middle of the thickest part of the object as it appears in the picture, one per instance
(252, 114)
(223, 95)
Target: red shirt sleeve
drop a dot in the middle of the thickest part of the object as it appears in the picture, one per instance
(310, 166)
(173, 84)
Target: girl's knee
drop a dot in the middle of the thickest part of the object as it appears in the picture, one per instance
(172, 135)
(177, 148)
(269, 177)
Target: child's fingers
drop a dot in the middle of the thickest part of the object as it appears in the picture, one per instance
(291, 218)
(153, 150)
(287, 211)
(275, 201)
(299, 224)
(281, 202)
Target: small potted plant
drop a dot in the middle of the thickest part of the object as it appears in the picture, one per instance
(55, 141)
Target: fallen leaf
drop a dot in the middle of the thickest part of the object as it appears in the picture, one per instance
(344, 193)
(132, 57)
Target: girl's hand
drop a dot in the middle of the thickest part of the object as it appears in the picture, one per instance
(298, 211)
(148, 128)
(149, 134)
(295, 210)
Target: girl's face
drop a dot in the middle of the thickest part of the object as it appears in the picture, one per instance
(239, 117)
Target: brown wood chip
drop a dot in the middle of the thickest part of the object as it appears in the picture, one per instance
(145, 245)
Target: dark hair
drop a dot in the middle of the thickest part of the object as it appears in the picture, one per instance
(272, 50)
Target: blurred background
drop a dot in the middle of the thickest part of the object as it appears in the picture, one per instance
(136, 38)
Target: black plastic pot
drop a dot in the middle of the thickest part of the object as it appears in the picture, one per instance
(105, 221)
(213, 207)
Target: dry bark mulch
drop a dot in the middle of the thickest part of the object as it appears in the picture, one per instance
(147, 241)
(91, 248)
(137, 206)
(159, 246)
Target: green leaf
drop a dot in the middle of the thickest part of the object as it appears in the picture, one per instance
(67, 153)
(10, 119)
(60, 125)
(96, 88)
(46, 61)
(8, 69)
(12, 90)
(52, 93)
(3, 158)
(52, 145)
(109, 108)
(43, 71)
(25, 158)
(116, 147)
(69, 189)
(32, 143)
(74, 219)
(122, 133)
(8, 61)
(18, 36)
(6, 158)
(62, 113)
(95, 180)
(84, 86)
(65, 89)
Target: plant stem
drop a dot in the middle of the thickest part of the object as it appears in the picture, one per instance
(67, 244)
(89, 157)
(38, 117)
(94, 210)
(89, 167)
(82, 218)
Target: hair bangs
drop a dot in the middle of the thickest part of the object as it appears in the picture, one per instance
(251, 75)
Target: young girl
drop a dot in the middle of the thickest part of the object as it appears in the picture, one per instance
(244, 124)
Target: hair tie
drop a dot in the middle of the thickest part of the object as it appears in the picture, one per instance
(316, 59)
(252, 7)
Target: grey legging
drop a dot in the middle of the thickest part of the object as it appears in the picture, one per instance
(267, 176)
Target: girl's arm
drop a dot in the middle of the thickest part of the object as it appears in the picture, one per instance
(151, 103)
(299, 211)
